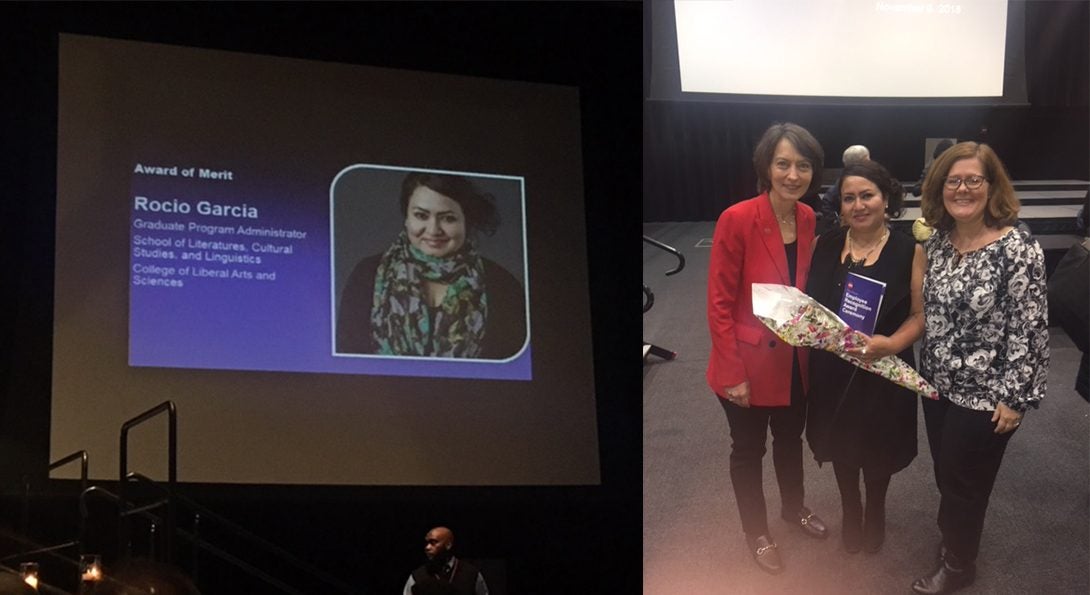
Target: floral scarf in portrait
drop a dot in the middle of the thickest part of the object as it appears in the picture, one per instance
(401, 321)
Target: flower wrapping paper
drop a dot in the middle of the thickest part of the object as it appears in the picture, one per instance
(802, 321)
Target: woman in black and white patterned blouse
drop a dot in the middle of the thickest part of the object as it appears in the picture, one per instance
(985, 343)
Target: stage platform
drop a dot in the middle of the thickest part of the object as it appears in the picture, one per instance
(1048, 208)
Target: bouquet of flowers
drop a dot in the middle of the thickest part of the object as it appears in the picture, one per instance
(801, 321)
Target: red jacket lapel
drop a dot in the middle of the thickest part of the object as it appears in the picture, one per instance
(769, 230)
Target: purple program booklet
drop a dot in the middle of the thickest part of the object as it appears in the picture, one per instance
(861, 302)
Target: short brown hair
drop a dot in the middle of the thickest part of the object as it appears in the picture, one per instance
(801, 139)
(1002, 208)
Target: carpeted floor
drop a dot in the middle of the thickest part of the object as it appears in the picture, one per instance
(1037, 532)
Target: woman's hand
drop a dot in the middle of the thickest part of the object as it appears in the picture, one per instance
(873, 348)
(1008, 419)
(739, 395)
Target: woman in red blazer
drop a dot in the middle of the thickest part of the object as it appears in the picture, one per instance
(759, 379)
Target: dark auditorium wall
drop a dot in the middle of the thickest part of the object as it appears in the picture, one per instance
(552, 540)
(697, 155)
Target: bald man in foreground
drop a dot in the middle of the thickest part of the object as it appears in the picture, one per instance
(443, 573)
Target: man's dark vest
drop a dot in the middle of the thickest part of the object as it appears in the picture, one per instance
(464, 581)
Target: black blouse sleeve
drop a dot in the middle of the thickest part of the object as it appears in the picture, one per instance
(354, 313)
(506, 330)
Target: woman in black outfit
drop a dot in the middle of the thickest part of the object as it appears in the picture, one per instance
(858, 420)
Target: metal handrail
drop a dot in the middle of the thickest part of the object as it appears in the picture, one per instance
(172, 474)
(99, 491)
(239, 531)
(107, 494)
(41, 550)
(81, 455)
(671, 250)
(127, 509)
(203, 545)
(43, 587)
(24, 522)
(206, 546)
(239, 563)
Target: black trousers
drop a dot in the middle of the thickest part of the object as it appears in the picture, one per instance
(851, 498)
(966, 452)
(748, 434)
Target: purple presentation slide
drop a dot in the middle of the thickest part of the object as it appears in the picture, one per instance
(231, 270)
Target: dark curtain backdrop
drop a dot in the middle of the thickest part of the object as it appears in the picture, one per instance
(1058, 53)
(698, 155)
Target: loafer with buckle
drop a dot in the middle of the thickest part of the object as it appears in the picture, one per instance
(764, 552)
(810, 523)
(945, 579)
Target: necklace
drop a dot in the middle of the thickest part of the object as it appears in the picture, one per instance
(786, 220)
(852, 261)
(969, 244)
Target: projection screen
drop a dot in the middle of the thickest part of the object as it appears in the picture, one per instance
(235, 233)
(867, 52)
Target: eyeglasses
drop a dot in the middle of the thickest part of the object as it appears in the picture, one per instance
(972, 182)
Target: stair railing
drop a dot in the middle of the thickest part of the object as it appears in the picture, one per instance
(171, 411)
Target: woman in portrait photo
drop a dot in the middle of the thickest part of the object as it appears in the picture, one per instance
(431, 293)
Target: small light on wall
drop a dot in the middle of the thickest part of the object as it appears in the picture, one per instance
(90, 568)
(29, 570)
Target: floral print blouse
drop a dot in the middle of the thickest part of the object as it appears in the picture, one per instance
(986, 322)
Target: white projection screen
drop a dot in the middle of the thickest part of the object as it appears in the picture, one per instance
(842, 48)
(221, 220)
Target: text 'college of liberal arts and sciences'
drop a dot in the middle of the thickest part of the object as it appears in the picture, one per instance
(165, 253)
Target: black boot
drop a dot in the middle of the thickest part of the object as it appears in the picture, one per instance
(950, 575)
(874, 528)
(852, 529)
(851, 503)
(874, 522)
